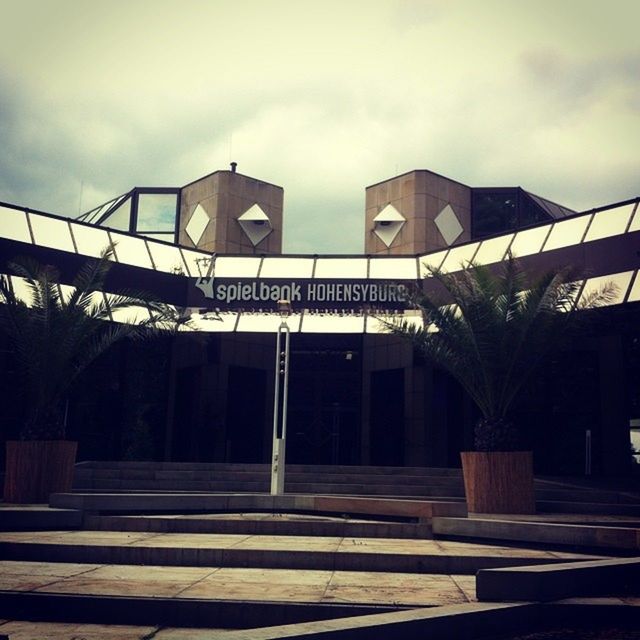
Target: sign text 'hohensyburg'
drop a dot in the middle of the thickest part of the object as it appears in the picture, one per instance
(226, 293)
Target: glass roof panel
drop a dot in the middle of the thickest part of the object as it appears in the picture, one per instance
(375, 324)
(323, 323)
(131, 250)
(493, 250)
(393, 268)
(216, 323)
(459, 257)
(530, 241)
(566, 233)
(341, 268)
(157, 211)
(166, 258)
(635, 223)
(611, 222)
(620, 280)
(287, 268)
(634, 294)
(267, 322)
(130, 315)
(90, 240)
(51, 232)
(431, 260)
(120, 217)
(21, 290)
(234, 267)
(197, 262)
(13, 225)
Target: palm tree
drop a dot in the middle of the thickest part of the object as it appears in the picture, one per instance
(59, 332)
(492, 330)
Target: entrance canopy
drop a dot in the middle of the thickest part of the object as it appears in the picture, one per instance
(330, 293)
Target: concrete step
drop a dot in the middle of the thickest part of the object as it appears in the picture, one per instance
(268, 552)
(37, 517)
(548, 533)
(175, 612)
(420, 510)
(262, 467)
(261, 524)
(586, 507)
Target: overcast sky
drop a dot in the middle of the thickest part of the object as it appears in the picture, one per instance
(322, 98)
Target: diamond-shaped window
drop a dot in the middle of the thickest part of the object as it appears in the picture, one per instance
(448, 224)
(256, 224)
(387, 224)
(197, 224)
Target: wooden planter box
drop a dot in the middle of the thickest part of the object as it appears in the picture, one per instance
(498, 481)
(37, 468)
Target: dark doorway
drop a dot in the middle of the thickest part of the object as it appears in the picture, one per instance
(325, 390)
(246, 399)
(387, 417)
(187, 393)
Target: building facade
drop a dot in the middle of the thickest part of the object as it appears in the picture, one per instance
(357, 396)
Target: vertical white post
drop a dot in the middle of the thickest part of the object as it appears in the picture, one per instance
(280, 409)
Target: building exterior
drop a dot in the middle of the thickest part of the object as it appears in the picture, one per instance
(357, 396)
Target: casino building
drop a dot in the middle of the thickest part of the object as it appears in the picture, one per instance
(356, 395)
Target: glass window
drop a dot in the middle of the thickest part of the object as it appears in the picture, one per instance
(13, 225)
(493, 250)
(493, 212)
(530, 241)
(266, 322)
(233, 267)
(166, 258)
(611, 222)
(431, 260)
(21, 290)
(119, 218)
(323, 323)
(393, 268)
(620, 280)
(130, 315)
(198, 262)
(131, 250)
(51, 232)
(566, 233)
(459, 257)
(341, 268)
(635, 223)
(90, 240)
(214, 322)
(376, 325)
(157, 211)
(634, 294)
(287, 268)
(531, 212)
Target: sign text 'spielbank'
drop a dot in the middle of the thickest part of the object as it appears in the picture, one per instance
(255, 292)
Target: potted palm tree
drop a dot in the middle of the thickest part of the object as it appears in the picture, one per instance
(55, 333)
(491, 330)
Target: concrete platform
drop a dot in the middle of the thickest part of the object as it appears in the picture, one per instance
(37, 516)
(545, 583)
(293, 552)
(209, 502)
(263, 524)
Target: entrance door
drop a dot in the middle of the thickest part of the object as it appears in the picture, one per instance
(246, 398)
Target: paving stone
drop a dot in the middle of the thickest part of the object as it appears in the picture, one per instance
(23, 630)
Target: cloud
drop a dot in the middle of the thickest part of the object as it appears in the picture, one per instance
(320, 98)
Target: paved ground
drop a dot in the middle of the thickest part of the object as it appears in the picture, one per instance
(275, 585)
(287, 543)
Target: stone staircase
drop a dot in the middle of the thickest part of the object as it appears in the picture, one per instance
(553, 495)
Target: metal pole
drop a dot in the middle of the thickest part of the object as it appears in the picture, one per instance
(280, 409)
(587, 452)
